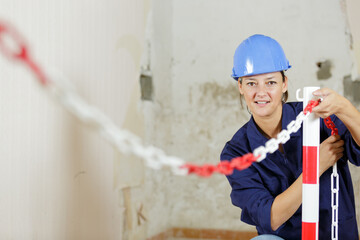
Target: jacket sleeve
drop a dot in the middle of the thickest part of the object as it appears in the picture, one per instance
(351, 149)
(249, 193)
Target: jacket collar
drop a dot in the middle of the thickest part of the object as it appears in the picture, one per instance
(255, 137)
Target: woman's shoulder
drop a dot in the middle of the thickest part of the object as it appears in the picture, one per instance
(241, 134)
(297, 107)
(295, 104)
(237, 145)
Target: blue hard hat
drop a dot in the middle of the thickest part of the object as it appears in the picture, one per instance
(259, 54)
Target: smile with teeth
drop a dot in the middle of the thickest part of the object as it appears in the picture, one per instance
(261, 102)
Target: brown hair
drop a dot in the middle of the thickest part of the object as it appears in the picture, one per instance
(284, 97)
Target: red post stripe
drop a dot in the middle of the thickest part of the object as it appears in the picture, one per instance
(308, 231)
(310, 165)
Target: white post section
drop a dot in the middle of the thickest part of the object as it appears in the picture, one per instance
(310, 189)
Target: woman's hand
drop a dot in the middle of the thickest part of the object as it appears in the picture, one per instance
(332, 103)
(331, 150)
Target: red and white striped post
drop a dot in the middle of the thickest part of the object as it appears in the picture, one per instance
(310, 186)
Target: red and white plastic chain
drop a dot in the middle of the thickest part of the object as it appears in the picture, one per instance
(239, 163)
(224, 167)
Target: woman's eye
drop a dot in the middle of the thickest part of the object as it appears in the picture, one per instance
(272, 82)
(251, 84)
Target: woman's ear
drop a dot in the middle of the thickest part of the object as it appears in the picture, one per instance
(285, 84)
(240, 87)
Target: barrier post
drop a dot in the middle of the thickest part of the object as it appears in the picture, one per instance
(310, 186)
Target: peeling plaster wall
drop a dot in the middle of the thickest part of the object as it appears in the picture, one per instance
(352, 9)
(196, 106)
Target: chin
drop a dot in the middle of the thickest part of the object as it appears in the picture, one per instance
(264, 112)
(261, 114)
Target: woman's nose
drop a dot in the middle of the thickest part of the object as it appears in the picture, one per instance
(261, 90)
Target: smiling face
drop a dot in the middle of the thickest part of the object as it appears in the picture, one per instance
(263, 93)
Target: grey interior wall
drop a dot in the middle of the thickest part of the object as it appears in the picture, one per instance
(195, 107)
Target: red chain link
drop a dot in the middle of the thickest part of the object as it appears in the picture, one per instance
(223, 167)
(245, 161)
(21, 53)
(328, 122)
(311, 105)
(331, 125)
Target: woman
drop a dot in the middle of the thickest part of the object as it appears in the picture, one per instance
(270, 192)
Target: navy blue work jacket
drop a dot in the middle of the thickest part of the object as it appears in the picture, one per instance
(255, 188)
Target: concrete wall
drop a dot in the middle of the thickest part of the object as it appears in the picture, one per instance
(196, 107)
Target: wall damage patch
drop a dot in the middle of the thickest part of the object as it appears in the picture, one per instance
(324, 71)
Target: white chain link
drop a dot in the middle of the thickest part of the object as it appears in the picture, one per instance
(273, 144)
(334, 202)
(124, 141)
